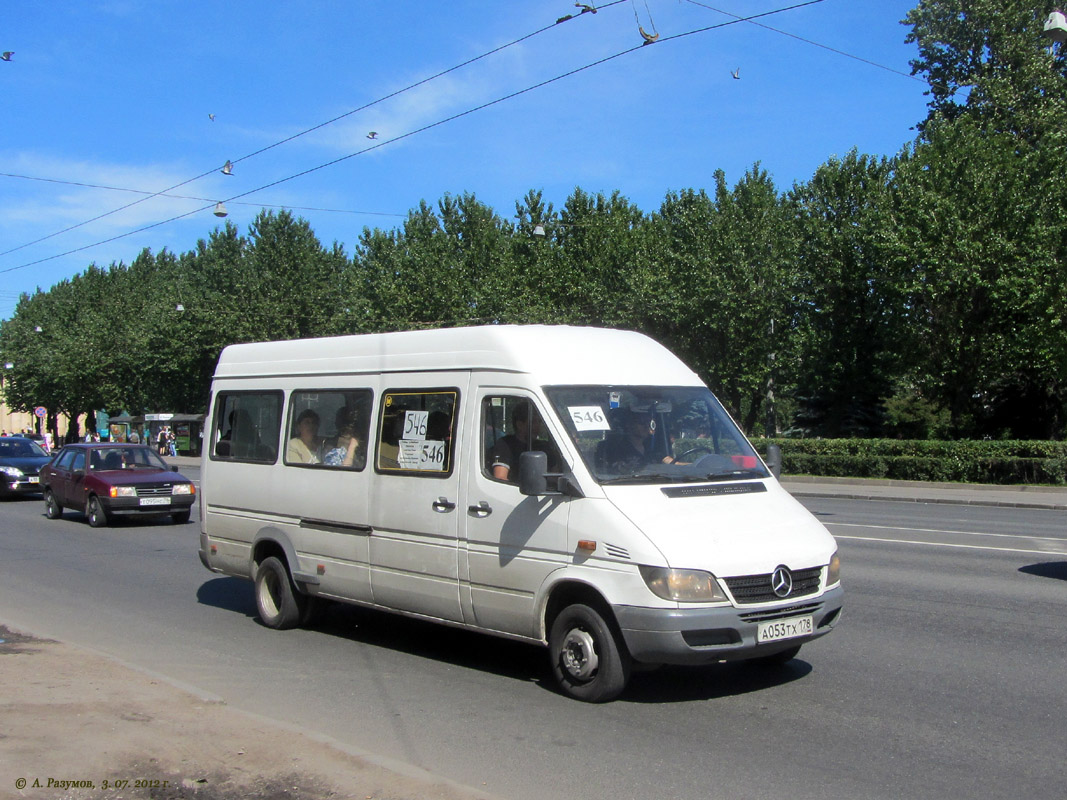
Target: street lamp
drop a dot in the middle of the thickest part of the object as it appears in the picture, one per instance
(1056, 26)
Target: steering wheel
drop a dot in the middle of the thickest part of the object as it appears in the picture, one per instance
(695, 449)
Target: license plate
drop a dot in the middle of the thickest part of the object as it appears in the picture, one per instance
(783, 629)
(155, 501)
(34, 479)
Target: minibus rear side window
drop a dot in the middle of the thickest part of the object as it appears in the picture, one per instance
(415, 431)
(246, 426)
(328, 428)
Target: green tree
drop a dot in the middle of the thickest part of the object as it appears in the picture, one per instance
(983, 207)
(983, 250)
(601, 257)
(719, 290)
(987, 59)
(849, 330)
(445, 269)
(293, 287)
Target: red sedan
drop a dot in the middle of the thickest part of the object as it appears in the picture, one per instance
(110, 480)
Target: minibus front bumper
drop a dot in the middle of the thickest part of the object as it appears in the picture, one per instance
(727, 633)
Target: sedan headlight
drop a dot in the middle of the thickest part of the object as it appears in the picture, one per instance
(682, 585)
(833, 572)
(123, 491)
(13, 472)
(184, 488)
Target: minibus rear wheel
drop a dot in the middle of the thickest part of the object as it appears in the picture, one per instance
(279, 604)
(588, 659)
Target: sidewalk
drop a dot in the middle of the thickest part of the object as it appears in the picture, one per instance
(80, 725)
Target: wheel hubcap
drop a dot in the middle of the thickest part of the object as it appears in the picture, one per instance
(578, 655)
(270, 595)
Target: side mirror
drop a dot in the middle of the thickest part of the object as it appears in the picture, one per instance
(533, 468)
(774, 460)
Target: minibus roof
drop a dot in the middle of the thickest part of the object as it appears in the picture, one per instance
(553, 354)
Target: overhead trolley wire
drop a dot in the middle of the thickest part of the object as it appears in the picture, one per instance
(190, 197)
(382, 142)
(807, 41)
(288, 139)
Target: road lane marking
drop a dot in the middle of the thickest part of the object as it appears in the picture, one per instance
(958, 546)
(938, 530)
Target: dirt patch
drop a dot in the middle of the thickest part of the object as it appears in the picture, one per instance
(78, 725)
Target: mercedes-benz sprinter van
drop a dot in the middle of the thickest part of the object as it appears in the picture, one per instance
(576, 487)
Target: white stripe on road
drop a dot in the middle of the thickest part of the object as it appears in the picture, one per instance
(938, 530)
(959, 546)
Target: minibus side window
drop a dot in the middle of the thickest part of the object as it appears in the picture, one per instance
(415, 431)
(507, 423)
(246, 426)
(328, 428)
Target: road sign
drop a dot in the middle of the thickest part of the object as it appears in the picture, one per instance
(40, 412)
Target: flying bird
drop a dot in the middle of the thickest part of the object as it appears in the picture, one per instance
(227, 168)
(372, 135)
(736, 74)
(211, 117)
(7, 55)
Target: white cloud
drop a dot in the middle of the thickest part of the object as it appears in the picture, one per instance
(30, 209)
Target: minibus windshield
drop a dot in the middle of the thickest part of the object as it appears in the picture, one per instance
(654, 434)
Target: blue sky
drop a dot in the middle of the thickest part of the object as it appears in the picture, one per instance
(118, 93)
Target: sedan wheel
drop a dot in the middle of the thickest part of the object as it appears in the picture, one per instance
(95, 511)
(52, 508)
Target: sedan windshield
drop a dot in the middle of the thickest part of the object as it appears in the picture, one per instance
(110, 458)
(21, 448)
(654, 434)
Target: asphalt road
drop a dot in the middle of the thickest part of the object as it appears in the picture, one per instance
(946, 678)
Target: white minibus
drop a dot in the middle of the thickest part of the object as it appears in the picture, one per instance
(580, 488)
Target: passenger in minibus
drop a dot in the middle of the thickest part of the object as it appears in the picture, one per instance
(302, 447)
(347, 451)
(504, 456)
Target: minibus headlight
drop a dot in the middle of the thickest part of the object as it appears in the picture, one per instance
(833, 572)
(123, 491)
(682, 585)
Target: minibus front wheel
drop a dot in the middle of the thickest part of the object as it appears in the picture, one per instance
(589, 660)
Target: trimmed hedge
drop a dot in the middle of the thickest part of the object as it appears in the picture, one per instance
(1003, 462)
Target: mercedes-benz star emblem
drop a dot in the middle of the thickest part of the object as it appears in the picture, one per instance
(782, 581)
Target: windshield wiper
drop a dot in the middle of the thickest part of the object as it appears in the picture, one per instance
(636, 479)
(734, 474)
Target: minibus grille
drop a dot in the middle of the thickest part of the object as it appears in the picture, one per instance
(769, 614)
(154, 491)
(757, 588)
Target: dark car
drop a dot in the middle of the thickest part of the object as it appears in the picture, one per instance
(21, 460)
(39, 438)
(111, 480)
